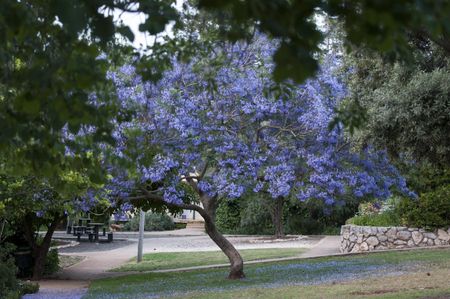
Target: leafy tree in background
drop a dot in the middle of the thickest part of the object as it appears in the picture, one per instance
(49, 55)
(407, 104)
(220, 127)
(407, 111)
(28, 204)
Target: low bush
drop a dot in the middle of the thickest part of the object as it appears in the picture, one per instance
(51, 262)
(388, 218)
(331, 230)
(28, 287)
(153, 222)
(180, 225)
(228, 216)
(430, 210)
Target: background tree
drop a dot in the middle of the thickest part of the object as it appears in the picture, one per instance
(407, 109)
(28, 204)
(408, 105)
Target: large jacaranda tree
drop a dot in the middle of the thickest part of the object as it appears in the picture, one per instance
(219, 126)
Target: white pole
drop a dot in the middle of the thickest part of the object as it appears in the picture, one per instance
(141, 235)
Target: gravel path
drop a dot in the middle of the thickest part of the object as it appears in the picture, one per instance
(57, 294)
(86, 246)
(60, 289)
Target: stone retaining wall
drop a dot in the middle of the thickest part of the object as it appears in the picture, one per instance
(367, 238)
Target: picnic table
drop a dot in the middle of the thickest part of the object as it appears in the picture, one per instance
(91, 229)
(95, 229)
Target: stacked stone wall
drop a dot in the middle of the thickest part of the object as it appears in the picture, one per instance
(367, 238)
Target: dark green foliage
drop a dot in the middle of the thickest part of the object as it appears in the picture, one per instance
(388, 218)
(407, 105)
(255, 216)
(247, 216)
(431, 210)
(153, 222)
(424, 177)
(377, 25)
(51, 262)
(228, 216)
(28, 287)
(9, 286)
(50, 66)
(251, 216)
(314, 217)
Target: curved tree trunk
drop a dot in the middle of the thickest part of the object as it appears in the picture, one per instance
(209, 215)
(40, 252)
(236, 262)
(208, 212)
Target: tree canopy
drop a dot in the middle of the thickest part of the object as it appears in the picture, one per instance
(50, 54)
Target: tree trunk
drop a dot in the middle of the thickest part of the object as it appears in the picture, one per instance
(277, 217)
(236, 262)
(40, 251)
(39, 256)
(209, 213)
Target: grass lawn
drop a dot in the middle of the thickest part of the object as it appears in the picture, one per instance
(172, 260)
(405, 274)
(69, 260)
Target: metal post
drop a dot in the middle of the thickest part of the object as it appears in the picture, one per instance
(141, 235)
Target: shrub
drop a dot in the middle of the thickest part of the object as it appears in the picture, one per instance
(331, 230)
(431, 210)
(314, 217)
(246, 215)
(228, 216)
(51, 262)
(153, 222)
(387, 218)
(9, 286)
(28, 287)
(255, 217)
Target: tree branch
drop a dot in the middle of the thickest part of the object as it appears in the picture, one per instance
(159, 199)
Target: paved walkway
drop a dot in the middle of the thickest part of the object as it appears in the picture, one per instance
(73, 281)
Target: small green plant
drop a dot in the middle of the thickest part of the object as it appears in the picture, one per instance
(331, 230)
(388, 218)
(51, 262)
(377, 214)
(153, 222)
(28, 287)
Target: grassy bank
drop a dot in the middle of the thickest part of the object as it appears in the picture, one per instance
(406, 274)
(172, 260)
